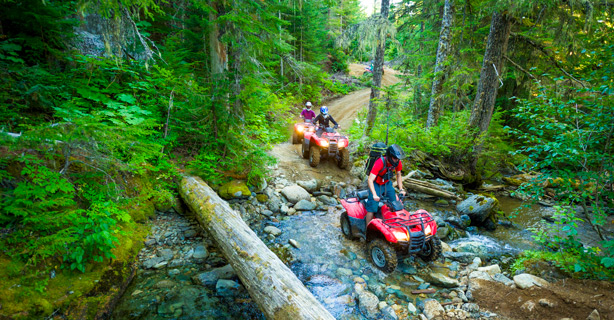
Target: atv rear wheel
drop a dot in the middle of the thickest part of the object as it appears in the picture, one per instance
(383, 255)
(431, 250)
(346, 227)
(295, 138)
(344, 159)
(305, 149)
(314, 156)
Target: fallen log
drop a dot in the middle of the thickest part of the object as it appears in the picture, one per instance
(428, 188)
(272, 285)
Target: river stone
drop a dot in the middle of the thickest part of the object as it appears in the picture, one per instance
(272, 230)
(294, 243)
(525, 280)
(200, 252)
(166, 254)
(295, 193)
(367, 304)
(480, 275)
(432, 309)
(478, 207)
(471, 246)
(441, 280)
(150, 263)
(594, 315)
(491, 270)
(309, 185)
(328, 200)
(412, 309)
(227, 288)
(164, 284)
(284, 209)
(462, 257)
(274, 203)
(190, 233)
(304, 205)
(235, 189)
(500, 277)
(267, 213)
(388, 313)
(344, 272)
(211, 277)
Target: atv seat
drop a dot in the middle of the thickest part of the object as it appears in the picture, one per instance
(362, 194)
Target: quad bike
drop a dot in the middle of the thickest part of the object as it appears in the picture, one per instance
(370, 70)
(393, 232)
(328, 145)
(300, 129)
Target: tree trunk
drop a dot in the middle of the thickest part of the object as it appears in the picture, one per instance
(276, 290)
(492, 66)
(378, 65)
(216, 48)
(440, 66)
(484, 102)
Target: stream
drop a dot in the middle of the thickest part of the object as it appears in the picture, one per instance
(328, 264)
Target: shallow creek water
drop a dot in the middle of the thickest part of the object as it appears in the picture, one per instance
(325, 262)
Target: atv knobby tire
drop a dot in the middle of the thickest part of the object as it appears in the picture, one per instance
(346, 227)
(305, 149)
(383, 255)
(314, 156)
(431, 250)
(344, 159)
(295, 138)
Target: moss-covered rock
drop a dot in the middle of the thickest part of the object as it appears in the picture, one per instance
(262, 198)
(234, 189)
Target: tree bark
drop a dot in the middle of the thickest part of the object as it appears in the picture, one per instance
(490, 74)
(378, 65)
(441, 69)
(276, 290)
(484, 102)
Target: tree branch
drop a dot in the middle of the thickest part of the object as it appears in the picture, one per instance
(548, 55)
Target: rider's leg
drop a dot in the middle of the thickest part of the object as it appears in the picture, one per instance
(372, 206)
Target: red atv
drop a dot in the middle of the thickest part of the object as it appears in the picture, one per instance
(328, 145)
(300, 129)
(392, 233)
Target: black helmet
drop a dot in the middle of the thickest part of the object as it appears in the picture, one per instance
(394, 151)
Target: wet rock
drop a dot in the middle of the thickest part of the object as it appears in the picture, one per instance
(227, 288)
(164, 284)
(594, 315)
(368, 304)
(150, 263)
(441, 203)
(344, 272)
(480, 275)
(274, 203)
(294, 243)
(478, 207)
(432, 309)
(441, 280)
(471, 307)
(211, 277)
(272, 230)
(190, 233)
(412, 309)
(309, 185)
(304, 205)
(462, 257)
(499, 277)
(267, 213)
(525, 280)
(388, 313)
(295, 193)
(166, 254)
(150, 242)
(284, 209)
(471, 246)
(329, 201)
(200, 252)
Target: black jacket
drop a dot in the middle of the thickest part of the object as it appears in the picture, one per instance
(323, 120)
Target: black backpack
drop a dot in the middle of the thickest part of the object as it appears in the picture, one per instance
(378, 149)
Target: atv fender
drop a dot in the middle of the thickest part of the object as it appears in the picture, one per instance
(378, 227)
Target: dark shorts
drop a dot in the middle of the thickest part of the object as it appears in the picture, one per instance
(379, 189)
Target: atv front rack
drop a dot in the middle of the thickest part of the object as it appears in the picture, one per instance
(417, 238)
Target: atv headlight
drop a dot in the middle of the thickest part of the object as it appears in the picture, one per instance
(300, 128)
(427, 230)
(400, 234)
(343, 143)
(324, 143)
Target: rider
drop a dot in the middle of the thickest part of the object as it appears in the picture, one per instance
(307, 113)
(322, 120)
(379, 179)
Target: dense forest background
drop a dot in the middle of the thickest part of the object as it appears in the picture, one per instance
(106, 103)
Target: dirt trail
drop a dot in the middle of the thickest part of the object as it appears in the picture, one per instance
(344, 110)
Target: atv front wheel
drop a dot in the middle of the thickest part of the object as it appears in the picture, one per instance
(295, 138)
(383, 255)
(344, 158)
(305, 149)
(346, 227)
(431, 250)
(314, 156)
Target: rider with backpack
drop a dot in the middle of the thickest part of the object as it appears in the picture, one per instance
(322, 120)
(379, 181)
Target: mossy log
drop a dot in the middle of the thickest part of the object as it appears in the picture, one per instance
(428, 188)
(272, 285)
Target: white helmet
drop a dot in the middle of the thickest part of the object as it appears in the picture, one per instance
(308, 105)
